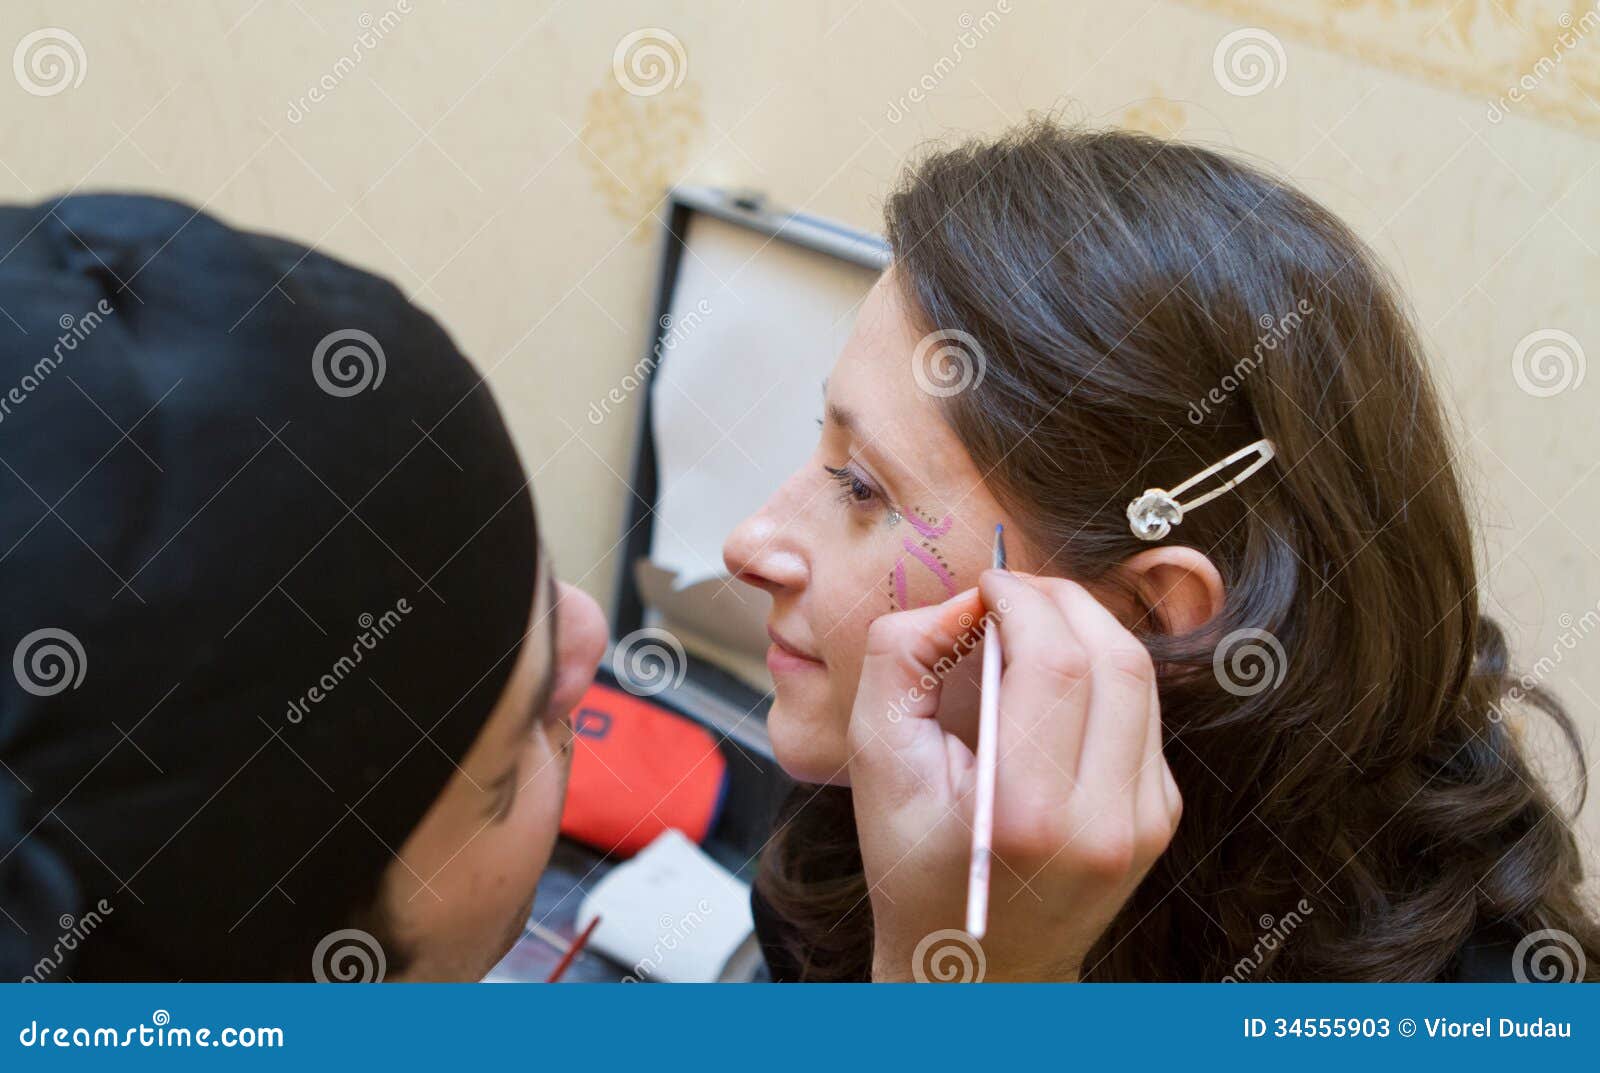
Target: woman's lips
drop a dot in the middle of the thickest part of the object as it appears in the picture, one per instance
(784, 658)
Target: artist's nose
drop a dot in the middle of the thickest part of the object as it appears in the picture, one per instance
(580, 641)
(766, 549)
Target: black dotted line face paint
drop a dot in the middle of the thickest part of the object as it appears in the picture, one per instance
(926, 554)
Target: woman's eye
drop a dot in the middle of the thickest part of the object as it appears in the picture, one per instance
(852, 488)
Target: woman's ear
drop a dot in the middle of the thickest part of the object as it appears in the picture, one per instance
(1179, 586)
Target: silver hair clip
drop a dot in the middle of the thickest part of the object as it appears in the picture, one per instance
(1153, 514)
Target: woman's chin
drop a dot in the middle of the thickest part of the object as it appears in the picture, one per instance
(809, 747)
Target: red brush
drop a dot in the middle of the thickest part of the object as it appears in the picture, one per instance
(572, 952)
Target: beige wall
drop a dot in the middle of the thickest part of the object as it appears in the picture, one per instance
(486, 157)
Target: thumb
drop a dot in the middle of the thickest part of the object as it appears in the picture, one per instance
(897, 745)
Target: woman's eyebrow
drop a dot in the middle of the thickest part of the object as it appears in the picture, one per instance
(842, 417)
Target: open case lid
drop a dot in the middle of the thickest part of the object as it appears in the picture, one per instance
(752, 307)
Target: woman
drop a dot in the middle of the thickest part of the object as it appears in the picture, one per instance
(1072, 318)
(290, 672)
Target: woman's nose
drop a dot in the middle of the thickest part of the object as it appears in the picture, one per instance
(763, 550)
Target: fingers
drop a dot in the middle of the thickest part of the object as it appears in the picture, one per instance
(1128, 806)
(1044, 697)
(895, 741)
(1157, 804)
(1120, 705)
(1081, 731)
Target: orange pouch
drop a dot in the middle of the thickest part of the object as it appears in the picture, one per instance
(638, 769)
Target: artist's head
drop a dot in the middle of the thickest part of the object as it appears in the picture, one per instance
(291, 667)
(1072, 318)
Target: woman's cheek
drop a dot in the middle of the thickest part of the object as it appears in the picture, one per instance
(919, 573)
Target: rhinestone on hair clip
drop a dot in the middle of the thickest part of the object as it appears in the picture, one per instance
(1152, 515)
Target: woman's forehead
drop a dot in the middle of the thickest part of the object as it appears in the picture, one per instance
(892, 423)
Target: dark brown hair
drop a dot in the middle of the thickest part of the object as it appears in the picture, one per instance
(1142, 309)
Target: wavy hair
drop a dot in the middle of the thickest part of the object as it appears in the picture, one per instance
(1144, 308)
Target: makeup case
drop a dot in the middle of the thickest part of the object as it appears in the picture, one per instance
(751, 307)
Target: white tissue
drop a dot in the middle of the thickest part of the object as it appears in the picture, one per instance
(674, 915)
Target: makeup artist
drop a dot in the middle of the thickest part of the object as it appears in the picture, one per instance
(288, 657)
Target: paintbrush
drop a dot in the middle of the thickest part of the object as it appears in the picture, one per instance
(572, 952)
(988, 745)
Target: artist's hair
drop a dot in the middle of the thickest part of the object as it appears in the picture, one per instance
(1142, 309)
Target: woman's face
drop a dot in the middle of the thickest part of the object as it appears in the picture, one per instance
(460, 890)
(889, 513)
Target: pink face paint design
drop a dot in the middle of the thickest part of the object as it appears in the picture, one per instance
(928, 559)
(928, 555)
(928, 530)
